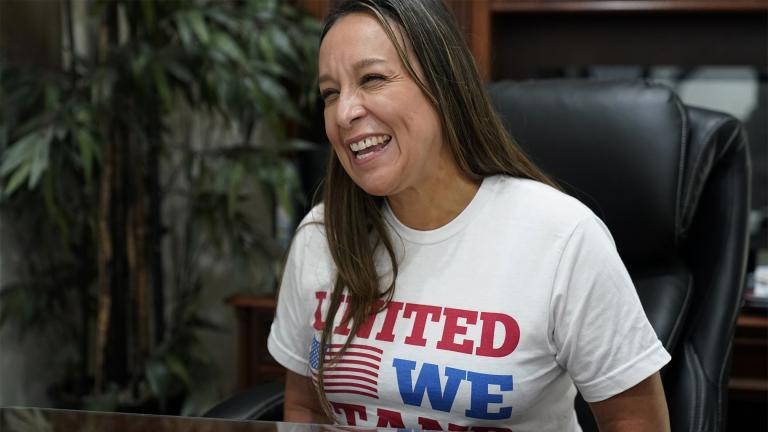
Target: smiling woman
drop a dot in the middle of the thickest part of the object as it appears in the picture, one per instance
(405, 302)
(375, 100)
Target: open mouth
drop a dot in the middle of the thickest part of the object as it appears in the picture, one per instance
(367, 147)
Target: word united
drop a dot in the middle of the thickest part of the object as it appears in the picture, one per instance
(452, 330)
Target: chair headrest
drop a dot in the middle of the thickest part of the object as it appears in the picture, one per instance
(618, 146)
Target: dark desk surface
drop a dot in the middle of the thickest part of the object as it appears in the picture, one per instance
(18, 419)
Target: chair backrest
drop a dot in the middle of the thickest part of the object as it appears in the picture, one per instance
(672, 184)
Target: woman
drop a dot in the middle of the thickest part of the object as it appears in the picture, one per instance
(445, 283)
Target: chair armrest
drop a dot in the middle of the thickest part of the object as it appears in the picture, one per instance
(263, 402)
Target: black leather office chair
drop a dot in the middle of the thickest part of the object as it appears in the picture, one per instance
(672, 184)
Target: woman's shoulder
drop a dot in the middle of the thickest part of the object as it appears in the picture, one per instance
(314, 216)
(539, 209)
(311, 228)
(537, 199)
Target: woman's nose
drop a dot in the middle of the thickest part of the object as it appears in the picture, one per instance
(350, 108)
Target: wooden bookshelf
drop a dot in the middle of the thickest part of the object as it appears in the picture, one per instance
(515, 38)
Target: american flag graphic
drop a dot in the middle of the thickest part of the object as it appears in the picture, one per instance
(356, 372)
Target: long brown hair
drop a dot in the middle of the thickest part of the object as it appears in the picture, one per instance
(478, 141)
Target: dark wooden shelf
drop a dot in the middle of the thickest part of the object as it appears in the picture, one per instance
(628, 5)
(252, 301)
(513, 39)
(254, 318)
(748, 383)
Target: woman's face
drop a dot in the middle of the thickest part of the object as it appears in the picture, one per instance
(383, 129)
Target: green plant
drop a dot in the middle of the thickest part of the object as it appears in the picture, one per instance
(92, 159)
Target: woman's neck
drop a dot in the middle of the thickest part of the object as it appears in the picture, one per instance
(436, 202)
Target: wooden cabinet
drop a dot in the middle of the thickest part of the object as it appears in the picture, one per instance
(254, 318)
(748, 384)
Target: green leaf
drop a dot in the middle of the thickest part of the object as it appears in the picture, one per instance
(17, 179)
(266, 48)
(228, 46)
(185, 33)
(27, 158)
(233, 189)
(180, 72)
(312, 25)
(40, 157)
(86, 145)
(83, 115)
(148, 13)
(197, 22)
(54, 212)
(159, 377)
(52, 97)
(139, 65)
(162, 87)
(103, 86)
(18, 153)
(287, 183)
(273, 69)
(179, 370)
(221, 17)
(279, 96)
(4, 129)
(283, 44)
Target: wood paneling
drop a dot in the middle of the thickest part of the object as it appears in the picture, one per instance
(318, 8)
(518, 39)
(628, 5)
(526, 45)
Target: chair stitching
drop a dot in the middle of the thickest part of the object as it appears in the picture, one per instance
(681, 165)
(696, 369)
(679, 320)
(689, 368)
(729, 141)
(732, 320)
(728, 222)
(695, 168)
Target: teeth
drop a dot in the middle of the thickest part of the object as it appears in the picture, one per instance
(368, 142)
(361, 156)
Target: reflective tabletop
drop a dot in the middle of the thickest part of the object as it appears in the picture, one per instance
(25, 419)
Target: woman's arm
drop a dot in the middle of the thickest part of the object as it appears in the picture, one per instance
(301, 403)
(638, 409)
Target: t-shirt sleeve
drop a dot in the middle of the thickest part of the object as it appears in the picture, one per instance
(291, 333)
(601, 334)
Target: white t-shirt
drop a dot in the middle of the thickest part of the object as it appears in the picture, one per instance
(495, 317)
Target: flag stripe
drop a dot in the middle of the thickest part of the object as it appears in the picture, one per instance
(350, 377)
(358, 347)
(346, 384)
(356, 354)
(350, 369)
(353, 392)
(344, 361)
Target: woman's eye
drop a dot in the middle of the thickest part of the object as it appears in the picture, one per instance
(327, 94)
(371, 78)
